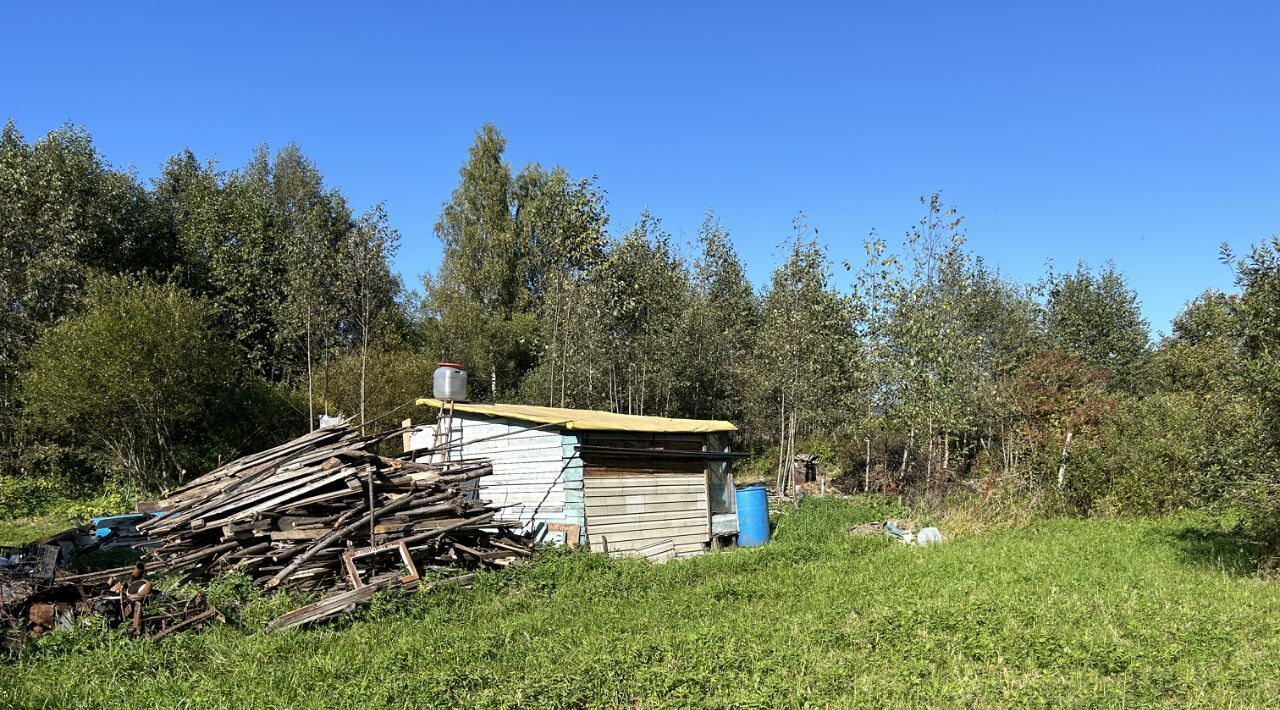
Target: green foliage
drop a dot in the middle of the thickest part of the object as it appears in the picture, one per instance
(21, 530)
(1257, 379)
(285, 279)
(38, 506)
(1090, 613)
(245, 605)
(564, 221)
(718, 329)
(141, 381)
(393, 377)
(639, 294)
(64, 213)
(807, 368)
(1097, 317)
(624, 327)
(29, 495)
(932, 348)
(930, 373)
(1163, 453)
(482, 294)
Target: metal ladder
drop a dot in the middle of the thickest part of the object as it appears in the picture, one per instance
(447, 436)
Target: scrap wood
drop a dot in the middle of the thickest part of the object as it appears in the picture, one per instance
(341, 602)
(145, 611)
(208, 613)
(329, 606)
(289, 516)
(353, 573)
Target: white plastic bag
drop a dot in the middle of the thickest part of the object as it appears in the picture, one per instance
(928, 536)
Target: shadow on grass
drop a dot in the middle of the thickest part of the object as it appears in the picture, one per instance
(1218, 548)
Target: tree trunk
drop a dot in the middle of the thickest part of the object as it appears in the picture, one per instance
(791, 457)
(364, 365)
(1062, 464)
(782, 444)
(906, 450)
(946, 453)
(928, 459)
(564, 358)
(866, 474)
(311, 400)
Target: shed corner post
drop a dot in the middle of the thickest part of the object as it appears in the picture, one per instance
(575, 502)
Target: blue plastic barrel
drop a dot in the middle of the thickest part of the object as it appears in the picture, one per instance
(753, 516)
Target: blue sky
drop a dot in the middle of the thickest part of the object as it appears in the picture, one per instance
(1144, 133)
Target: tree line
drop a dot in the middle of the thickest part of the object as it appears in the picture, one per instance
(150, 330)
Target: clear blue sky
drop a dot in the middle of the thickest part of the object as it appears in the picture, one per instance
(1146, 133)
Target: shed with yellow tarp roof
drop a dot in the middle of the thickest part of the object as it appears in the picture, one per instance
(625, 484)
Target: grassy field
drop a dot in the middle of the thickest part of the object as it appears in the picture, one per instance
(1067, 612)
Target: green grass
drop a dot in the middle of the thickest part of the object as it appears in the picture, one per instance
(19, 531)
(1060, 613)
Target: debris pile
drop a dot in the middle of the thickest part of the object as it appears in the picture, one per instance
(32, 568)
(325, 513)
(24, 571)
(131, 601)
(901, 530)
(322, 513)
(38, 594)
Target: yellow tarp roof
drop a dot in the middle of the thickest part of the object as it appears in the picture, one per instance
(590, 419)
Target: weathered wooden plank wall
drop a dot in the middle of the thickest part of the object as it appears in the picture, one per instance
(635, 500)
(626, 513)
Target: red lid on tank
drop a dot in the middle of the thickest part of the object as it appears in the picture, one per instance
(451, 364)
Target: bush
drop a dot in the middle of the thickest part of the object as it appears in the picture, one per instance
(141, 384)
(43, 496)
(1165, 452)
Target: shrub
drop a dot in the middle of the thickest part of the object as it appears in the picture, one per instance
(141, 384)
(1165, 452)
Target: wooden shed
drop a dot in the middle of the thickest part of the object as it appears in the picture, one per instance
(622, 484)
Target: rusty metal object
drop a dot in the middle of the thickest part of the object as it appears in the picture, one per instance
(138, 590)
(42, 614)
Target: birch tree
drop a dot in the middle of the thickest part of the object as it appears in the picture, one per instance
(368, 287)
(480, 290)
(808, 360)
(717, 331)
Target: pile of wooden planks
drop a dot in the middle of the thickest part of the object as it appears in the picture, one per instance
(325, 512)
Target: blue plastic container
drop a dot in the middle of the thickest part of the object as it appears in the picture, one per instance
(753, 516)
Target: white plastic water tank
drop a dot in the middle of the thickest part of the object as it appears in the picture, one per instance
(449, 383)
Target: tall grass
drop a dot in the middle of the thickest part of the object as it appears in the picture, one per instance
(1064, 612)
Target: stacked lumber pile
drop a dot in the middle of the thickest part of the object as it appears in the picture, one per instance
(325, 513)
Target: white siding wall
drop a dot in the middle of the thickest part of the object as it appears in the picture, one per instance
(529, 466)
